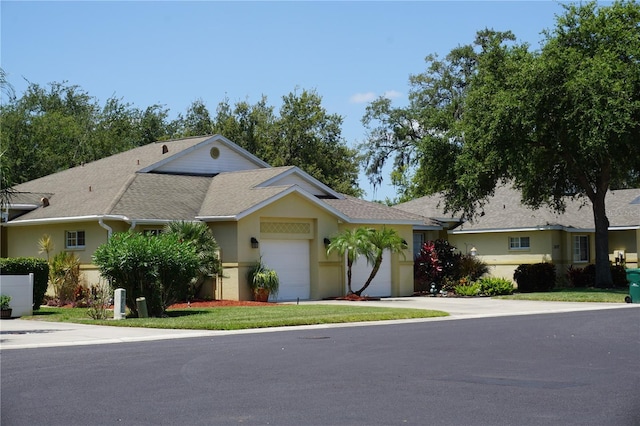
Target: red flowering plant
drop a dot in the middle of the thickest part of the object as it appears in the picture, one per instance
(427, 268)
(437, 262)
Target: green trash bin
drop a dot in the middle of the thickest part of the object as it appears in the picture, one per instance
(633, 276)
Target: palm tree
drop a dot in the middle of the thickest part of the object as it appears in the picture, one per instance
(45, 245)
(353, 243)
(199, 234)
(381, 240)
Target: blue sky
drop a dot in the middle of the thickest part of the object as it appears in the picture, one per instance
(172, 53)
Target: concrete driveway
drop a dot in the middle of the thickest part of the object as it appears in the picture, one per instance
(21, 334)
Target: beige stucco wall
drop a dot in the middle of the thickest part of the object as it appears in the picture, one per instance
(327, 273)
(493, 248)
(626, 241)
(554, 246)
(23, 242)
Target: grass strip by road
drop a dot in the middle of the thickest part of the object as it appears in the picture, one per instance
(243, 317)
(573, 295)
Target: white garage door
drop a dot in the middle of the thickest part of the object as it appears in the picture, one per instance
(290, 259)
(381, 284)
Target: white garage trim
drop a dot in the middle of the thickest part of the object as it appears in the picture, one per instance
(290, 259)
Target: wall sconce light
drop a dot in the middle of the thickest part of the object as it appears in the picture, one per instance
(473, 251)
(327, 242)
(254, 243)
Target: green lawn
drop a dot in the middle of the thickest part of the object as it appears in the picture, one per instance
(573, 295)
(244, 317)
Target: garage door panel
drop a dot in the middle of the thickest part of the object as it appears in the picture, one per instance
(290, 259)
(381, 284)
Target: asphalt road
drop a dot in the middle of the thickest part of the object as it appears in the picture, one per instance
(578, 368)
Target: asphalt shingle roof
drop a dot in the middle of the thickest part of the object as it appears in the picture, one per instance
(116, 186)
(505, 211)
(365, 210)
(94, 188)
(235, 192)
(167, 197)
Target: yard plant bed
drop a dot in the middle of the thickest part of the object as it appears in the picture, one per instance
(217, 304)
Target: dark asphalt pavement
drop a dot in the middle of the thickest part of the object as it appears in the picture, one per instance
(576, 368)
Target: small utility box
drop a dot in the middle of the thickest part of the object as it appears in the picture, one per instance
(141, 304)
(119, 304)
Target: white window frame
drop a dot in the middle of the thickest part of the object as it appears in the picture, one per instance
(152, 232)
(72, 239)
(581, 249)
(516, 243)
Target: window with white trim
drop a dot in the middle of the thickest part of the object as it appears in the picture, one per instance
(152, 232)
(519, 243)
(581, 248)
(74, 239)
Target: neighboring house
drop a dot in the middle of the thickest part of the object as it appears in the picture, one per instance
(508, 234)
(283, 211)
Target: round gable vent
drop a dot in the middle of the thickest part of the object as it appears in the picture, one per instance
(215, 152)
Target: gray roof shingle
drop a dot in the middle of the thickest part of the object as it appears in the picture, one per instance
(368, 211)
(94, 188)
(504, 210)
(115, 186)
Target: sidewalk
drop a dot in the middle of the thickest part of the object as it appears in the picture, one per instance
(22, 334)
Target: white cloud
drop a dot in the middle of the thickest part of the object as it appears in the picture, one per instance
(360, 98)
(392, 94)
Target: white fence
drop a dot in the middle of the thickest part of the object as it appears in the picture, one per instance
(20, 288)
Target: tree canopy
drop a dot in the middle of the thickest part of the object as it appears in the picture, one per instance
(51, 128)
(303, 134)
(560, 121)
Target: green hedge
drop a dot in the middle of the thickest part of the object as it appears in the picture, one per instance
(586, 277)
(536, 277)
(24, 266)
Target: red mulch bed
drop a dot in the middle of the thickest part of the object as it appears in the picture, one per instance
(200, 304)
(222, 303)
(353, 298)
(217, 304)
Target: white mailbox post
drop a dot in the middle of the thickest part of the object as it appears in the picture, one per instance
(119, 304)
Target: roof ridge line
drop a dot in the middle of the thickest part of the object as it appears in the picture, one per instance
(120, 193)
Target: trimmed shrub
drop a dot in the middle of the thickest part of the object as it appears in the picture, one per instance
(536, 277)
(580, 278)
(24, 266)
(158, 268)
(495, 286)
(471, 267)
(586, 277)
(619, 275)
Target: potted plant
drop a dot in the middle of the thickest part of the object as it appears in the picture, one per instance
(5, 307)
(263, 281)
